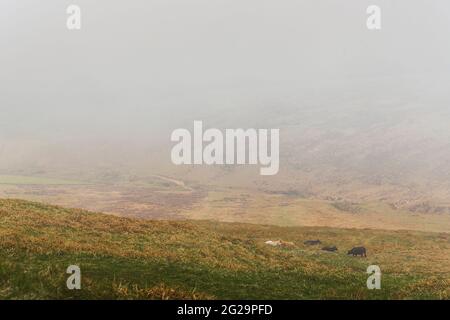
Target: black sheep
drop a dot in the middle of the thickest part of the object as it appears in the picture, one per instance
(358, 251)
(312, 242)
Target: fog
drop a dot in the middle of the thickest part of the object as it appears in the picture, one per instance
(139, 69)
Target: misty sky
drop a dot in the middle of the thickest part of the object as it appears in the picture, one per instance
(140, 65)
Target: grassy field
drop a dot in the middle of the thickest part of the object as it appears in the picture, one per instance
(166, 198)
(291, 210)
(124, 258)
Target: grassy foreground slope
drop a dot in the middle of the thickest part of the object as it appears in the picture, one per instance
(124, 258)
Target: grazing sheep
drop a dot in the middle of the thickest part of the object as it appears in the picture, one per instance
(312, 242)
(330, 249)
(273, 243)
(358, 251)
(280, 243)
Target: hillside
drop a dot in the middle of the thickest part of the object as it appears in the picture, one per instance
(166, 198)
(123, 258)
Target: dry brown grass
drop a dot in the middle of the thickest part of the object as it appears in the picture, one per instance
(159, 292)
(412, 261)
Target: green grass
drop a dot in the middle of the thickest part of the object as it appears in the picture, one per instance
(29, 180)
(135, 259)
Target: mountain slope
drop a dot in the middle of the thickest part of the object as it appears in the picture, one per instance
(134, 259)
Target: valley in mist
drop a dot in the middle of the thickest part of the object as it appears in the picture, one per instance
(363, 116)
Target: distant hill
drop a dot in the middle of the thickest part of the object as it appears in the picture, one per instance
(390, 149)
(123, 258)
